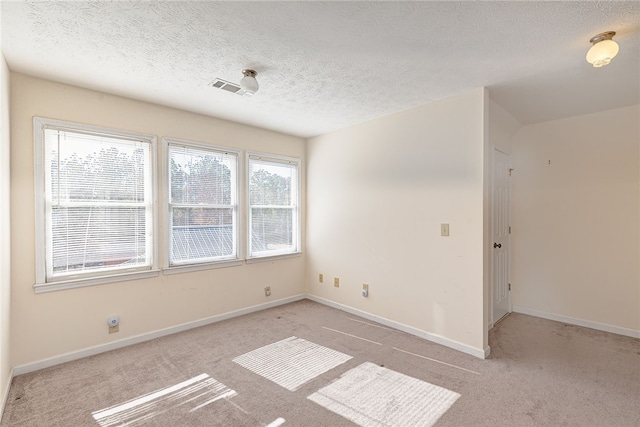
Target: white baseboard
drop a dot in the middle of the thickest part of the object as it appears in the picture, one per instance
(91, 351)
(102, 348)
(5, 396)
(578, 322)
(438, 339)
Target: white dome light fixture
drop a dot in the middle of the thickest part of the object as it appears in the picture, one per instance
(249, 84)
(604, 49)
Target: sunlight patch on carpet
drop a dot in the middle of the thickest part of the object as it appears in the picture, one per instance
(373, 396)
(352, 336)
(292, 362)
(276, 423)
(436, 360)
(191, 394)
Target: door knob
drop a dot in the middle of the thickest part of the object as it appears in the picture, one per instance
(497, 245)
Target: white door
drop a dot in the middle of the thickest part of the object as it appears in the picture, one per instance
(500, 298)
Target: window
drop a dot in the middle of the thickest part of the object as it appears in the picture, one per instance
(202, 203)
(274, 217)
(95, 212)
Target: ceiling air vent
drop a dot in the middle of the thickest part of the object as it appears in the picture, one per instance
(228, 86)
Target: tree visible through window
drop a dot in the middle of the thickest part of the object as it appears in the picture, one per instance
(273, 198)
(97, 202)
(202, 204)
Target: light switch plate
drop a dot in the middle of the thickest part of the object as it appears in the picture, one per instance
(444, 229)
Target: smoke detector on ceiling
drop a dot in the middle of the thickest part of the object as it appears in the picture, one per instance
(248, 85)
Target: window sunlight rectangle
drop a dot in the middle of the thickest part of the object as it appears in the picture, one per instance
(373, 396)
(191, 395)
(291, 362)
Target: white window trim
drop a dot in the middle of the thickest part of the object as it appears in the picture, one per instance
(202, 266)
(166, 186)
(273, 255)
(93, 281)
(88, 279)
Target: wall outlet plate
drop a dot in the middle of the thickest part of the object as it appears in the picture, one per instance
(336, 282)
(321, 278)
(267, 291)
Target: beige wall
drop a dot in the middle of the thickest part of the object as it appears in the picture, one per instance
(377, 194)
(502, 128)
(5, 232)
(51, 324)
(576, 200)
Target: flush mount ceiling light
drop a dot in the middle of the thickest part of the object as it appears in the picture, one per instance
(249, 83)
(604, 49)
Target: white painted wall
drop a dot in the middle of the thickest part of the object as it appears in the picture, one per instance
(377, 194)
(576, 219)
(5, 233)
(51, 324)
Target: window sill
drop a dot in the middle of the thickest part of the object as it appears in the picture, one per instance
(92, 281)
(204, 266)
(272, 257)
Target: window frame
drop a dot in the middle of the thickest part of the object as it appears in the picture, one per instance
(297, 208)
(43, 282)
(166, 183)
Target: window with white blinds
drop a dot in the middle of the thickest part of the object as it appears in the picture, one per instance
(202, 203)
(274, 223)
(95, 201)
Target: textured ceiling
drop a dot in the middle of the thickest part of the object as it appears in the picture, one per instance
(326, 65)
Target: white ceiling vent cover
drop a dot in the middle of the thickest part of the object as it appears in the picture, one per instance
(227, 86)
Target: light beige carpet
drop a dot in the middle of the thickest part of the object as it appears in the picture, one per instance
(305, 364)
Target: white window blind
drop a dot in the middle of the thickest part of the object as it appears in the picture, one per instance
(274, 206)
(98, 202)
(202, 204)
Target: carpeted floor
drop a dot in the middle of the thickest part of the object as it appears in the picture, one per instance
(305, 364)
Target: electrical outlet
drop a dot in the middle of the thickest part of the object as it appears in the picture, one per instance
(267, 291)
(444, 229)
(336, 282)
(321, 278)
(114, 324)
(365, 290)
